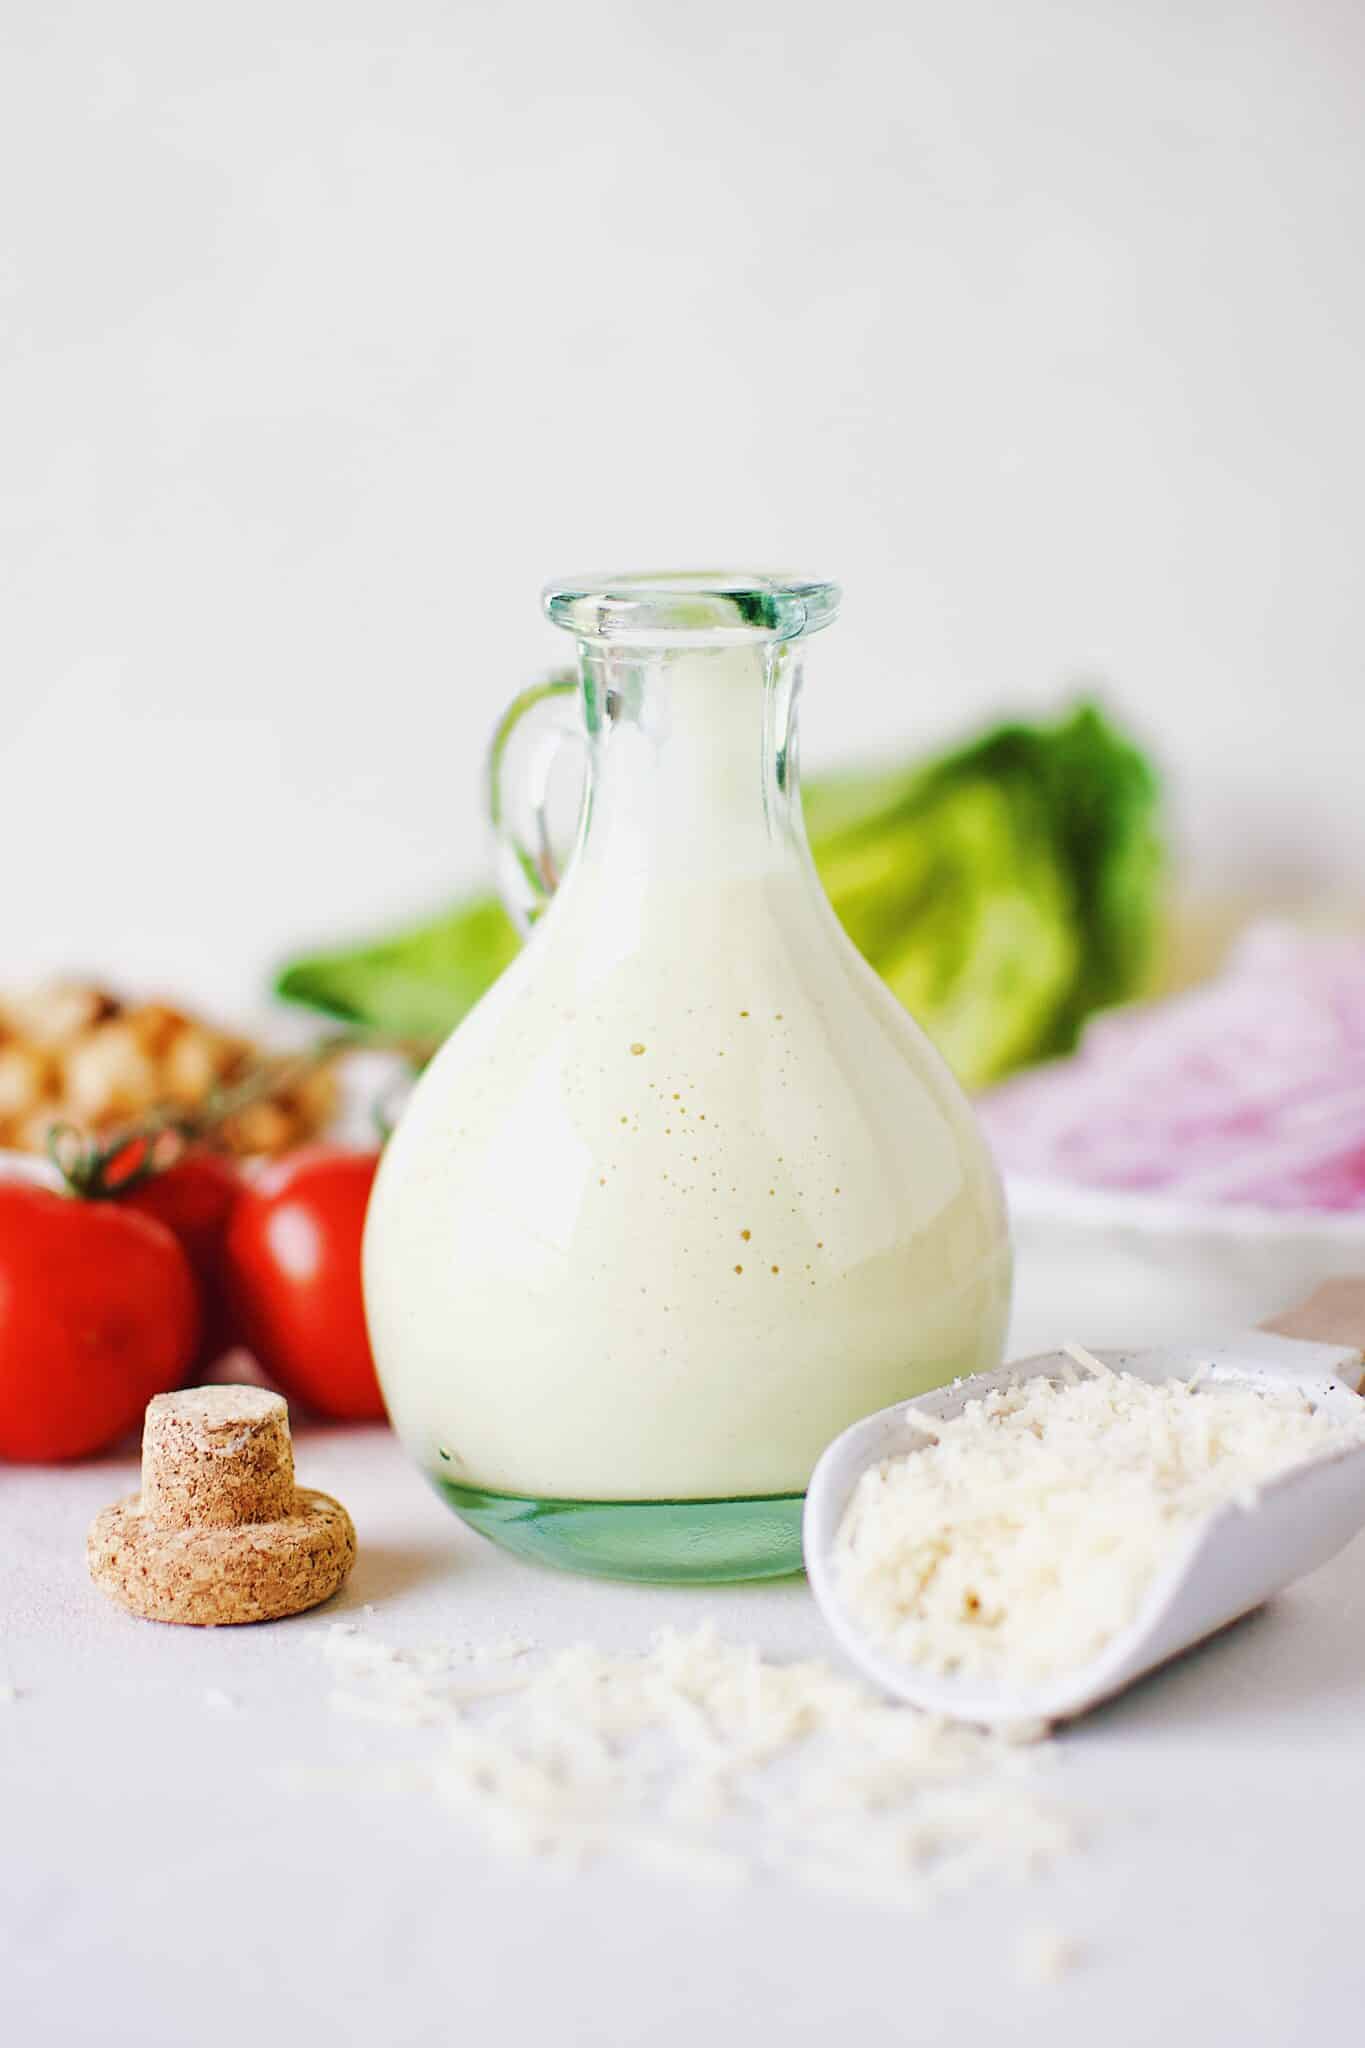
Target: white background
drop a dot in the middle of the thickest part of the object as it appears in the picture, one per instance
(333, 329)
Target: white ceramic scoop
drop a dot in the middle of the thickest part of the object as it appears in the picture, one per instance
(1229, 1564)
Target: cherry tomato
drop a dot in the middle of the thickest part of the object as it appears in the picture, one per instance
(195, 1199)
(293, 1250)
(98, 1312)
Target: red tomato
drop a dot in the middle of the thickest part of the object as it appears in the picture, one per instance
(98, 1312)
(195, 1199)
(293, 1249)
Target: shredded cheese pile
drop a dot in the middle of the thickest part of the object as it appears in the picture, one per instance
(703, 1759)
(1026, 1532)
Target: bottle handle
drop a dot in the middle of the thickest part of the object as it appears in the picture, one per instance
(530, 739)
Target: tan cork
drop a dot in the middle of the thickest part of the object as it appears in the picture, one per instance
(216, 1458)
(220, 1533)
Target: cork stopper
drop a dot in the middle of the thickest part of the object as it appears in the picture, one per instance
(220, 1533)
(216, 1458)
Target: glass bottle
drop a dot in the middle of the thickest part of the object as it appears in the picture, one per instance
(688, 1191)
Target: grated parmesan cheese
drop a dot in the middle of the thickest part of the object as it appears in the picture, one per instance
(1042, 1956)
(1017, 1545)
(1088, 1362)
(703, 1759)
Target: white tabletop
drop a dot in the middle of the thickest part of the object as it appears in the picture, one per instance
(170, 1875)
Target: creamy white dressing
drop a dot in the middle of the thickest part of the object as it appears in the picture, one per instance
(688, 1192)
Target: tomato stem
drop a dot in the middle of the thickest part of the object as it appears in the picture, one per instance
(101, 1169)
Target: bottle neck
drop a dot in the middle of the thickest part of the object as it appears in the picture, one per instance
(693, 760)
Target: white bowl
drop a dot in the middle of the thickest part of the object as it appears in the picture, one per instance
(1109, 1267)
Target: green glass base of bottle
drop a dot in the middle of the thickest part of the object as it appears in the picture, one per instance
(660, 1542)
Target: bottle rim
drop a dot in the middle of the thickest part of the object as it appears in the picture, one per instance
(691, 606)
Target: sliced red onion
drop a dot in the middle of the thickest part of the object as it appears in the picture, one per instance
(1250, 1089)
